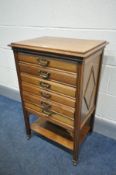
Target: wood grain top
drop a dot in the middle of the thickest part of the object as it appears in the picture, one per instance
(68, 46)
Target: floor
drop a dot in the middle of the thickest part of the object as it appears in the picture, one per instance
(19, 156)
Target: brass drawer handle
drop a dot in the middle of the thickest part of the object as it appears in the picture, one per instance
(45, 105)
(45, 85)
(43, 74)
(47, 112)
(45, 95)
(42, 62)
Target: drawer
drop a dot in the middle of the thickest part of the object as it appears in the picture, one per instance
(49, 85)
(48, 62)
(47, 104)
(35, 90)
(49, 74)
(56, 118)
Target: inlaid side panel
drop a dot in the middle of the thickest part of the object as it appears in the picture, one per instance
(90, 80)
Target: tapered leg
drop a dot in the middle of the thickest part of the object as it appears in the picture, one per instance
(27, 123)
(75, 155)
(77, 116)
(92, 122)
(75, 162)
(76, 147)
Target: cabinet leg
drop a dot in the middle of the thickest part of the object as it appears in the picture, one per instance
(74, 162)
(28, 137)
(92, 122)
(75, 154)
(27, 124)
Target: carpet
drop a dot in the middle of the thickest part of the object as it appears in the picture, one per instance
(37, 156)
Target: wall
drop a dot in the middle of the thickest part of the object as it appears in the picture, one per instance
(91, 19)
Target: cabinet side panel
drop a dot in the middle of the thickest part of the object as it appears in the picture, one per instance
(90, 85)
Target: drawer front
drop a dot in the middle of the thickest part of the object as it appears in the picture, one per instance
(49, 85)
(47, 104)
(48, 62)
(35, 90)
(58, 119)
(49, 74)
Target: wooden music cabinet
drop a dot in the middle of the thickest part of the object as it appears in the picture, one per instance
(59, 80)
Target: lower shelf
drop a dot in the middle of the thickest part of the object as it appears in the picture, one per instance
(56, 133)
(53, 132)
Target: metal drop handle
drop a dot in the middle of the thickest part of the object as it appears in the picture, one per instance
(45, 85)
(42, 62)
(45, 95)
(45, 105)
(44, 74)
(47, 112)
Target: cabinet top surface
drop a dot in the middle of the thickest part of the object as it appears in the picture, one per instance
(68, 46)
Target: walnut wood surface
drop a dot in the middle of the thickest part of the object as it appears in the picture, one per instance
(52, 62)
(53, 74)
(60, 88)
(53, 132)
(56, 133)
(78, 47)
(35, 90)
(77, 116)
(63, 118)
(60, 120)
(56, 107)
(25, 112)
(91, 72)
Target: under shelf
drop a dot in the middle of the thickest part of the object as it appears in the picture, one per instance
(53, 132)
(56, 133)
